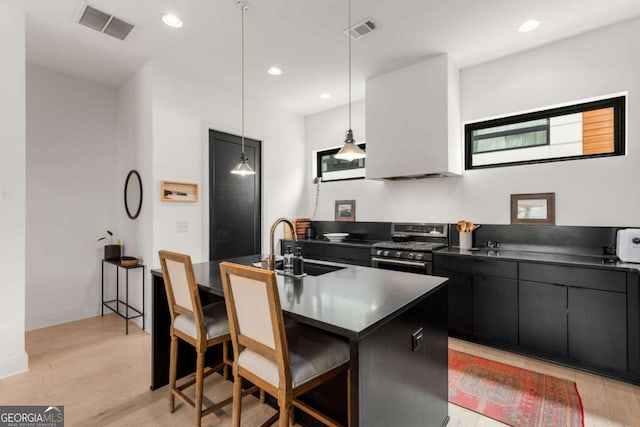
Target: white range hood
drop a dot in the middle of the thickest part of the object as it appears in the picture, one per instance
(413, 122)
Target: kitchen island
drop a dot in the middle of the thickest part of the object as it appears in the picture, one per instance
(395, 323)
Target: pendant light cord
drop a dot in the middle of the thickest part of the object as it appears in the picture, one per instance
(242, 8)
(349, 36)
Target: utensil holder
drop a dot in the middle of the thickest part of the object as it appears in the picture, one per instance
(466, 240)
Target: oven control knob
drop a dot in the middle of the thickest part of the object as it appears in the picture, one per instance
(379, 253)
(418, 256)
(398, 254)
(411, 255)
(386, 253)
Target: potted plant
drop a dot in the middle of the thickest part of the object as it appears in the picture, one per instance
(111, 251)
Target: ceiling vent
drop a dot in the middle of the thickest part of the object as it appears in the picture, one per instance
(105, 23)
(361, 29)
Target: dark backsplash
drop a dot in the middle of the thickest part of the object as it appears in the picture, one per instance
(543, 238)
(546, 238)
(368, 230)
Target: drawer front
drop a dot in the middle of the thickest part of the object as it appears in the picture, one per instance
(482, 266)
(591, 278)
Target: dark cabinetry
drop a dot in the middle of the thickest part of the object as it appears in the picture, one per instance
(597, 327)
(495, 309)
(482, 297)
(581, 313)
(460, 305)
(587, 317)
(542, 311)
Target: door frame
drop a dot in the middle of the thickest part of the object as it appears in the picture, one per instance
(204, 187)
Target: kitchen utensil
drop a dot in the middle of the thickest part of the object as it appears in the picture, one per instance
(466, 240)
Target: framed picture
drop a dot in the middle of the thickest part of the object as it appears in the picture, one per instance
(345, 210)
(538, 208)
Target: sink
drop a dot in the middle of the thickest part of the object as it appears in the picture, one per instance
(315, 269)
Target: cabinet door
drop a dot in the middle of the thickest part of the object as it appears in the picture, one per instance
(598, 327)
(495, 309)
(460, 304)
(542, 314)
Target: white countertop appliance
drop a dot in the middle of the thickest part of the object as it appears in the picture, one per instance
(628, 245)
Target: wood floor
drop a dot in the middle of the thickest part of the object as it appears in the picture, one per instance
(102, 378)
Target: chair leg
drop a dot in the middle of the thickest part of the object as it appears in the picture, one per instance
(291, 416)
(237, 401)
(225, 360)
(285, 404)
(263, 396)
(199, 387)
(173, 366)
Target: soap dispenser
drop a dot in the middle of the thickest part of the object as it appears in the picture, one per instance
(298, 263)
(288, 260)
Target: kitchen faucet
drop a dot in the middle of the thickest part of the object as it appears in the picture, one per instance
(271, 259)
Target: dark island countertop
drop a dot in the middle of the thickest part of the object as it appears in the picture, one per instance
(352, 302)
(609, 262)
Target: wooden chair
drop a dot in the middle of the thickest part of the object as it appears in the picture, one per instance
(202, 327)
(286, 362)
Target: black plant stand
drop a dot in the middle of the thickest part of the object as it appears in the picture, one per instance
(114, 304)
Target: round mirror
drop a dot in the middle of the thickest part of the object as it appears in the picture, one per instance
(133, 194)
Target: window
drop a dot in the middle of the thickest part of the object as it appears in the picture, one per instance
(331, 169)
(592, 129)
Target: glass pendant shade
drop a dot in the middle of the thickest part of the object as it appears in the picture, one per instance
(350, 151)
(243, 168)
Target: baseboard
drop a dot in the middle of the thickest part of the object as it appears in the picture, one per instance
(14, 365)
(43, 321)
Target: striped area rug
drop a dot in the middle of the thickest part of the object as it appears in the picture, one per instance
(512, 395)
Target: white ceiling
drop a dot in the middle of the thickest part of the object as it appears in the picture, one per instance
(303, 37)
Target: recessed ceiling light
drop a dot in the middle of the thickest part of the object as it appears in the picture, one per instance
(172, 20)
(529, 25)
(325, 95)
(274, 71)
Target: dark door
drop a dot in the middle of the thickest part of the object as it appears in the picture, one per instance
(234, 200)
(598, 327)
(495, 309)
(543, 317)
(460, 305)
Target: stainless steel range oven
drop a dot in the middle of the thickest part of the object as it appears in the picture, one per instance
(410, 249)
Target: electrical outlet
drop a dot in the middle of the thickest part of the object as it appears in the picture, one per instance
(182, 227)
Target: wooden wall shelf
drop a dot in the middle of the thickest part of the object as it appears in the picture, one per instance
(178, 191)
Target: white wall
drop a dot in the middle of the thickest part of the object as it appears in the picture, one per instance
(588, 192)
(327, 130)
(72, 196)
(184, 108)
(135, 151)
(13, 358)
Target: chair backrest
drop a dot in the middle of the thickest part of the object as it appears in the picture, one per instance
(182, 289)
(255, 315)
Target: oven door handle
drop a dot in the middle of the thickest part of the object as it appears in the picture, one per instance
(400, 262)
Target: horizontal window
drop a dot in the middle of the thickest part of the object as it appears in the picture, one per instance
(331, 169)
(591, 129)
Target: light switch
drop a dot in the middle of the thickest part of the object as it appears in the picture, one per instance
(182, 227)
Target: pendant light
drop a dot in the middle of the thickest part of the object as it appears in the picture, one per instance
(350, 151)
(243, 168)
